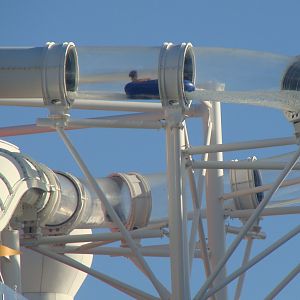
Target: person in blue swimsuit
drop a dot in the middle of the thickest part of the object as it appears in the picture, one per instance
(146, 88)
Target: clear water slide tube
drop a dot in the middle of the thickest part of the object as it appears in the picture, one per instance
(105, 71)
(249, 77)
(209, 74)
(118, 73)
(218, 74)
(63, 72)
(59, 73)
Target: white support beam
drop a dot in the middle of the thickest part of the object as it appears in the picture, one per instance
(258, 165)
(214, 207)
(273, 211)
(108, 105)
(106, 122)
(152, 251)
(11, 265)
(95, 237)
(89, 104)
(177, 215)
(284, 141)
(197, 224)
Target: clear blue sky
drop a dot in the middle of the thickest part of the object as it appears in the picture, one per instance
(271, 26)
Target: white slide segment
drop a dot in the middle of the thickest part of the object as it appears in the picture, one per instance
(50, 279)
(34, 197)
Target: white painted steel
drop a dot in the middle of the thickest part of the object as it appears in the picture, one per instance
(176, 64)
(177, 216)
(96, 237)
(259, 165)
(214, 207)
(152, 251)
(11, 266)
(139, 121)
(284, 141)
(74, 202)
(22, 179)
(274, 211)
(44, 278)
(197, 202)
(105, 123)
(207, 133)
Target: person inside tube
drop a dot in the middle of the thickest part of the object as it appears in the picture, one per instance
(147, 88)
(141, 88)
(134, 76)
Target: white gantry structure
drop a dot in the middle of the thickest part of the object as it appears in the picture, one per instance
(47, 216)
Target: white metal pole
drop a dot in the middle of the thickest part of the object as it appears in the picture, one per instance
(177, 219)
(11, 266)
(89, 104)
(197, 201)
(284, 141)
(108, 105)
(197, 221)
(46, 125)
(108, 122)
(95, 237)
(270, 211)
(214, 207)
(259, 165)
(153, 251)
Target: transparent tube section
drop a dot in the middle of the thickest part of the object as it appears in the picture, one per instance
(159, 192)
(118, 195)
(114, 73)
(249, 77)
(228, 75)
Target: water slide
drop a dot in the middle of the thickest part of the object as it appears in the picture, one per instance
(39, 202)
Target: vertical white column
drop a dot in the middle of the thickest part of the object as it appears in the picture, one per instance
(177, 213)
(215, 213)
(11, 266)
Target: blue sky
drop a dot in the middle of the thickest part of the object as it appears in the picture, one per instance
(270, 26)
